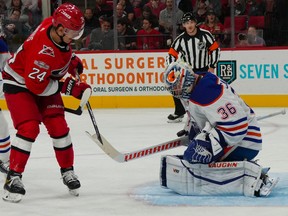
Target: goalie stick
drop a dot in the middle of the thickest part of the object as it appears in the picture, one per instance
(125, 157)
(283, 112)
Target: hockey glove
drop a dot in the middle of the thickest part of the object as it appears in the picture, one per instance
(74, 88)
(75, 66)
(182, 133)
(190, 129)
(206, 147)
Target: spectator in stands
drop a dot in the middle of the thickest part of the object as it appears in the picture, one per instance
(255, 8)
(91, 22)
(240, 7)
(200, 11)
(251, 38)
(128, 8)
(120, 13)
(3, 10)
(148, 37)
(18, 4)
(126, 35)
(156, 6)
(146, 14)
(14, 30)
(102, 38)
(34, 12)
(215, 5)
(167, 18)
(102, 8)
(213, 25)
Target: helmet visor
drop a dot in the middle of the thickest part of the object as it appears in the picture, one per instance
(75, 35)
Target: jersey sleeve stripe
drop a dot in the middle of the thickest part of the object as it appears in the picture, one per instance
(254, 134)
(235, 134)
(232, 123)
(173, 52)
(4, 140)
(214, 46)
(253, 140)
(233, 128)
(254, 128)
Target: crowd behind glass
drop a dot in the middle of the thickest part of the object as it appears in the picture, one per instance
(153, 24)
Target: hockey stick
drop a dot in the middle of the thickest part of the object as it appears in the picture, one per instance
(283, 112)
(92, 117)
(125, 157)
(85, 100)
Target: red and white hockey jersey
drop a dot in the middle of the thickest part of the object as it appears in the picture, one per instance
(39, 62)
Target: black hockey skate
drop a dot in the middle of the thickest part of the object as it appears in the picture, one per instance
(13, 187)
(71, 180)
(173, 118)
(4, 167)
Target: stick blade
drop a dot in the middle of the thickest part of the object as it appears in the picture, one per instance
(107, 148)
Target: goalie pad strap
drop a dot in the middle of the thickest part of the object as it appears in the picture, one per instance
(221, 178)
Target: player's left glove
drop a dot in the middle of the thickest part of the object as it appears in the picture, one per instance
(76, 66)
(74, 87)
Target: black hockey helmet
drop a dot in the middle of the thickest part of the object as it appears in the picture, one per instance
(188, 16)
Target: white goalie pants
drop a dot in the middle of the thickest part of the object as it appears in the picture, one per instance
(221, 178)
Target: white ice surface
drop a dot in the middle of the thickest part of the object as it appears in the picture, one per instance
(107, 185)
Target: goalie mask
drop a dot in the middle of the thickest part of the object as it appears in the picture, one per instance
(179, 79)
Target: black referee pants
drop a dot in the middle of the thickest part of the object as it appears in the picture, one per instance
(179, 108)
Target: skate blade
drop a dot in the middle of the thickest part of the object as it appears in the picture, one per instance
(12, 197)
(74, 192)
(266, 191)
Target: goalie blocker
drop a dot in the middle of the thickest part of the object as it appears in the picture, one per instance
(221, 178)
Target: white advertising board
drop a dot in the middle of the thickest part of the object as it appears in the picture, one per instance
(250, 72)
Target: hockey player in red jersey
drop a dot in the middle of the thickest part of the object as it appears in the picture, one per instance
(33, 87)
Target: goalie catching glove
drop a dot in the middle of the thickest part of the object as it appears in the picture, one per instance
(206, 147)
(74, 87)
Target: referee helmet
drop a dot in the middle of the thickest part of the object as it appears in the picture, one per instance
(188, 16)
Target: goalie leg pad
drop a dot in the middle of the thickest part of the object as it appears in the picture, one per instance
(222, 178)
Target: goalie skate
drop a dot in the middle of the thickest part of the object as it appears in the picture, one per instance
(268, 186)
(71, 181)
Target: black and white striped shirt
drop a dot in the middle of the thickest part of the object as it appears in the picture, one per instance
(201, 51)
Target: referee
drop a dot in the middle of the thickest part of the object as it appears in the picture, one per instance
(196, 47)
